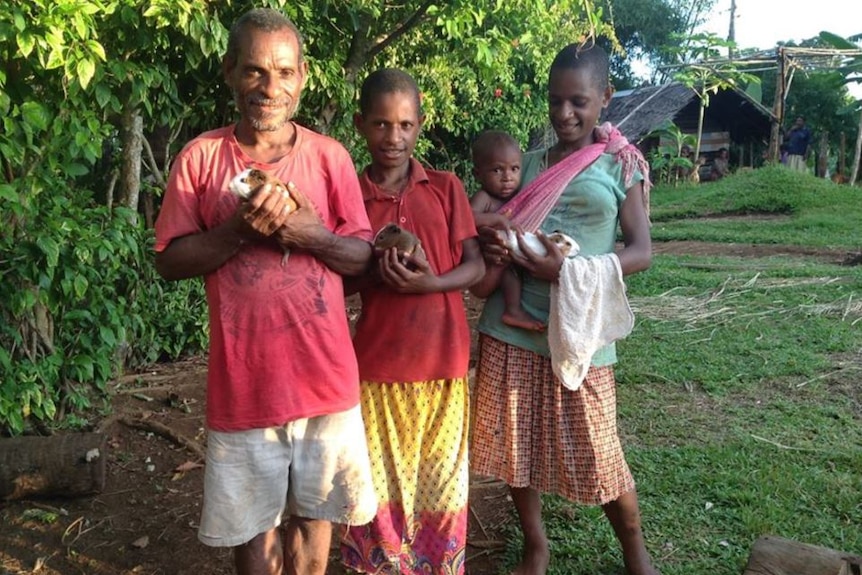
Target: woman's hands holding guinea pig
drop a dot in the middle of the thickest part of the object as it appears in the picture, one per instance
(546, 267)
(407, 274)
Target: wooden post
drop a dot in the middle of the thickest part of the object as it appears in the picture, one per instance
(68, 465)
(772, 555)
(777, 107)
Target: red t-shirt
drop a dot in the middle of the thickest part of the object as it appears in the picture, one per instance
(279, 339)
(417, 337)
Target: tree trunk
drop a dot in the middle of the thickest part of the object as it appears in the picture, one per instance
(855, 171)
(67, 465)
(822, 156)
(699, 130)
(778, 556)
(842, 155)
(130, 179)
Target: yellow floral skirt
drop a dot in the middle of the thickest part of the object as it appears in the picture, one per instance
(417, 441)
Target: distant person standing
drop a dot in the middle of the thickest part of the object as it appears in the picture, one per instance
(720, 165)
(798, 143)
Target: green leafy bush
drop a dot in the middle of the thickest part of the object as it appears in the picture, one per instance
(81, 303)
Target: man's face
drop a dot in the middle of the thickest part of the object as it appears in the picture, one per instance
(267, 78)
(799, 122)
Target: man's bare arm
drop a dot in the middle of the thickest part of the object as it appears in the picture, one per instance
(199, 254)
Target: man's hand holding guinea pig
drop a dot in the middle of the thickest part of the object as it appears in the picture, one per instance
(265, 211)
(303, 228)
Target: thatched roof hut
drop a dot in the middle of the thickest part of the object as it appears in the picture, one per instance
(638, 112)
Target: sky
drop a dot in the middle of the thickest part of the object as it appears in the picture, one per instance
(764, 23)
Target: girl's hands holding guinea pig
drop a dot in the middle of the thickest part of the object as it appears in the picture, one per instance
(407, 274)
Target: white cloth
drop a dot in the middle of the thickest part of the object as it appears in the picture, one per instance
(589, 309)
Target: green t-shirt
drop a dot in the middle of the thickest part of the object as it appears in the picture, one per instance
(588, 211)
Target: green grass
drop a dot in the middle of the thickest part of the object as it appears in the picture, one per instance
(739, 402)
(796, 209)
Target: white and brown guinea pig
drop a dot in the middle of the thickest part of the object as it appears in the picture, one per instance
(568, 246)
(249, 181)
(393, 236)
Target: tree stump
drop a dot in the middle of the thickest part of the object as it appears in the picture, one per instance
(67, 465)
(772, 555)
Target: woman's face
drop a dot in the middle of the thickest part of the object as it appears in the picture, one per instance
(574, 105)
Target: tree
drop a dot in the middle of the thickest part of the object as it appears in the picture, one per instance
(850, 70)
(645, 28)
(94, 92)
(709, 74)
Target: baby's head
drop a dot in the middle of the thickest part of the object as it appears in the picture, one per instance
(497, 163)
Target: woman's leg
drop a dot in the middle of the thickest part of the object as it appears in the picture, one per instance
(625, 518)
(536, 552)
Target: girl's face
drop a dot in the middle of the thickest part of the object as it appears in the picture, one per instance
(574, 105)
(391, 127)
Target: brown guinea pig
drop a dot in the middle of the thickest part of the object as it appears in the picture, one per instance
(249, 181)
(393, 236)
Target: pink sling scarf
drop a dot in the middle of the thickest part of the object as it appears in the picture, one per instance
(529, 208)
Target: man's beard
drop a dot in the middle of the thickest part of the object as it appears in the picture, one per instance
(267, 124)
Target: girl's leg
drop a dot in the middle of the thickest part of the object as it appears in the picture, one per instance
(536, 552)
(624, 515)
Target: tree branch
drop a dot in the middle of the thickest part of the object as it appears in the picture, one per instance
(150, 160)
(400, 30)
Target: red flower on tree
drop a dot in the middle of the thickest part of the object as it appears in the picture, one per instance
(498, 92)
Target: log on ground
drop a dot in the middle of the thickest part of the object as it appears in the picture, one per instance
(771, 555)
(67, 465)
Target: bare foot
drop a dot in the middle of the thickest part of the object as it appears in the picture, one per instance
(519, 318)
(534, 561)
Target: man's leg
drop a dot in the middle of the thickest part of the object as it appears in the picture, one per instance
(306, 546)
(625, 518)
(260, 556)
(536, 553)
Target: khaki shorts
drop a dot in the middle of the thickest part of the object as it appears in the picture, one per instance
(316, 468)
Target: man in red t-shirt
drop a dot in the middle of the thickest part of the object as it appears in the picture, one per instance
(284, 427)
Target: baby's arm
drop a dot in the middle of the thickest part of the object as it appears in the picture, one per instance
(485, 211)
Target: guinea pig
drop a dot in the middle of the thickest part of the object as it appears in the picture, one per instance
(393, 236)
(251, 180)
(568, 246)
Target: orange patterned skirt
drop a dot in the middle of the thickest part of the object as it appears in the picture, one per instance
(530, 431)
(417, 442)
